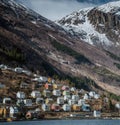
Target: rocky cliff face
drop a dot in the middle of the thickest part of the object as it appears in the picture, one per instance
(99, 26)
(107, 20)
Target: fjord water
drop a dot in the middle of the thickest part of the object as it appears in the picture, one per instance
(66, 122)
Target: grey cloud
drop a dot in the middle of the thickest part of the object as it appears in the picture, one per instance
(55, 9)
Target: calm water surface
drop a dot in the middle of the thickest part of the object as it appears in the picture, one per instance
(66, 122)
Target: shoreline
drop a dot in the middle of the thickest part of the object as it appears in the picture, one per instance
(65, 118)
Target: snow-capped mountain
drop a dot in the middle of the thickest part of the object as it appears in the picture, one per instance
(96, 26)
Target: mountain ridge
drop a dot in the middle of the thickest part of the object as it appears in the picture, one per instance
(98, 29)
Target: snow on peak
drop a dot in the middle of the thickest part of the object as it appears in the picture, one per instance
(112, 7)
(79, 25)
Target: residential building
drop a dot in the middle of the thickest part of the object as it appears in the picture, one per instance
(20, 95)
(81, 102)
(86, 96)
(65, 87)
(45, 107)
(35, 94)
(18, 70)
(55, 107)
(96, 113)
(28, 102)
(57, 93)
(66, 92)
(24, 85)
(60, 100)
(67, 97)
(39, 100)
(49, 101)
(86, 107)
(7, 100)
(71, 102)
(48, 86)
(66, 107)
(13, 111)
(75, 97)
(75, 107)
(47, 93)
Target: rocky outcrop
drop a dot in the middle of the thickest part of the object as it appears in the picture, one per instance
(106, 22)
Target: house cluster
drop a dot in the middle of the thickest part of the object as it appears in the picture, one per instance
(51, 97)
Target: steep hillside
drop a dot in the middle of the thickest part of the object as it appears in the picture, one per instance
(32, 41)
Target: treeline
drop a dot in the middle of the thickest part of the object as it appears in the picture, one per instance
(13, 53)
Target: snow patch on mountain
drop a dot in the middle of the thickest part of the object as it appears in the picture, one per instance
(79, 25)
(113, 7)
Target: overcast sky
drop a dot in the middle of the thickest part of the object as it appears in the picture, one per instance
(55, 9)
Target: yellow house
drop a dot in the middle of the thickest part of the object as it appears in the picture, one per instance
(57, 86)
(76, 107)
(3, 112)
(49, 101)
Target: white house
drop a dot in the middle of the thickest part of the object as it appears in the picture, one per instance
(72, 89)
(7, 100)
(91, 94)
(75, 97)
(96, 96)
(37, 80)
(13, 111)
(28, 73)
(28, 102)
(53, 81)
(43, 78)
(86, 96)
(117, 105)
(57, 93)
(96, 113)
(60, 100)
(18, 70)
(45, 107)
(67, 97)
(20, 95)
(39, 100)
(81, 102)
(2, 66)
(35, 94)
(66, 107)
(71, 102)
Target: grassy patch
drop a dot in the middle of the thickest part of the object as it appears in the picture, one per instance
(115, 97)
(12, 53)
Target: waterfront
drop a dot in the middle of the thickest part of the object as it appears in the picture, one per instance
(65, 122)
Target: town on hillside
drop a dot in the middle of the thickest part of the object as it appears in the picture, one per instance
(26, 95)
